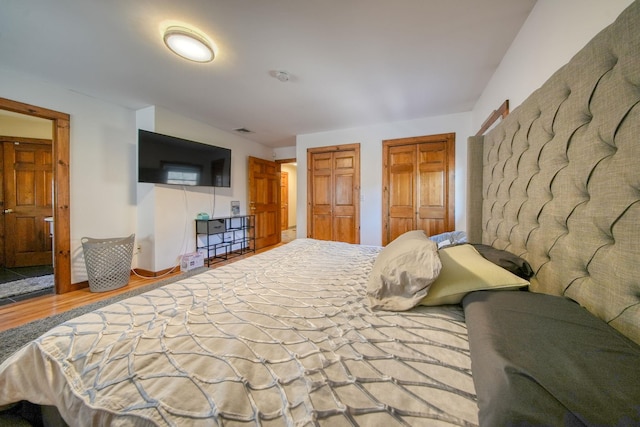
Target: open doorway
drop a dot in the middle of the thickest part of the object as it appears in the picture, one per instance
(26, 207)
(60, 224)
(288, 199)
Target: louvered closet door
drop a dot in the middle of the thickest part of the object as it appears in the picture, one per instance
(334, 185)
(418, 185)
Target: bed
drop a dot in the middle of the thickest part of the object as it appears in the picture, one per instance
(421, 332)
(261, 341)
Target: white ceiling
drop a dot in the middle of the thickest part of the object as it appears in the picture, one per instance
(352, 62)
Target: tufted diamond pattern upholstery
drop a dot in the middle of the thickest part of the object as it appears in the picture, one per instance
(561, 180)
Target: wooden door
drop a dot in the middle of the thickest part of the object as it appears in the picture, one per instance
(264, 200)
(418, 185)
(433, 214)
(333, 190)
(284, 200)
(27, 201)
(320, 196)
(401, 171)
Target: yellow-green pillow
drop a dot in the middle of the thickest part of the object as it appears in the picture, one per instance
(464, 270)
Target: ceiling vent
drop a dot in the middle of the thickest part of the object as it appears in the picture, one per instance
(243, 130)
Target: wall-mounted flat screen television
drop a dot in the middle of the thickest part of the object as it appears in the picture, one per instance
(164, 159)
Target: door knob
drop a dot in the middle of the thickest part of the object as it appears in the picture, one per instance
(8, 210)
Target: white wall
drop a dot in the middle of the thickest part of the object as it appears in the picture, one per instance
(103, 174)
(284, 153)
(166, 213)
(551, 35)
(102, 160)
(370, 139)
(15, 124)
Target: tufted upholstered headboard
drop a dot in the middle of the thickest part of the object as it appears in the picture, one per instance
(560, 179)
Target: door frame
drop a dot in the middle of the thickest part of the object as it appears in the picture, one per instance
(281, 162)
(450, 141)
(284, 203)
(61, 213)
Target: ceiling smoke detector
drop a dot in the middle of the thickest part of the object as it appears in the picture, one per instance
(283, 76)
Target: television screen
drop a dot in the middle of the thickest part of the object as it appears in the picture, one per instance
(164, 159)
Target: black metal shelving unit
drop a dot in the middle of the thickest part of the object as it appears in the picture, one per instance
(223, 238)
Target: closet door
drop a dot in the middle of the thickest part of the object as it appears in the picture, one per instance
(401, 173)
(432, 214)
(334, 186)
(321, 196)
(346, 184)
(418, 185)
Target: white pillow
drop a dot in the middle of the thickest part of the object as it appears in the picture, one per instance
(464, 270)
(403, 271)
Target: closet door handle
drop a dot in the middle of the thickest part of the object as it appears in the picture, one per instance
(8, 210)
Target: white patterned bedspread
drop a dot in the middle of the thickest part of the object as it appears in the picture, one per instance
(283, 338)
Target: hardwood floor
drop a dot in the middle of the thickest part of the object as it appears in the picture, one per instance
(19, 313)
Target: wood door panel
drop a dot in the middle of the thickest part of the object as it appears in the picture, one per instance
(322, 162)
(25, 228)
(261, 226)
(399, 225)
(28, 184)
(432, 179)
(344, 160)
(265, 225)
(418, 185)
(344, 228)
(33, 244)
(431, 226)
(24, 158)
(322, 191)
(264, 200)
(322, 227)
(402, 189)
(432, 188)
(262, 190)
(344, 190)
(25, 194)
(333, 191)
(432, 209)
(401, 155)
(272, 222)
(432, 153)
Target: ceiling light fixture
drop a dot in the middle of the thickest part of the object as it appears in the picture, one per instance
(188, 44)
